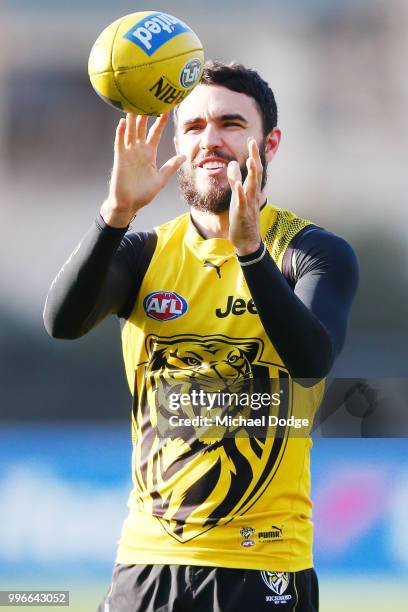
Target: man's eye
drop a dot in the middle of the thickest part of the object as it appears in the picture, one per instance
(232, 123)
(191, 128)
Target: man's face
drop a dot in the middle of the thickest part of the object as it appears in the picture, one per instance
(213, 126)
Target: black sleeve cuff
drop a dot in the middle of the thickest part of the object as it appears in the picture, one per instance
(252, 256)
(104, 227)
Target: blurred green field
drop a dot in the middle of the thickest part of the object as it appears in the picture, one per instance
(362, 594)
(351, 593)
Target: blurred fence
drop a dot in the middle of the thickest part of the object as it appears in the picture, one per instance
(63, 491)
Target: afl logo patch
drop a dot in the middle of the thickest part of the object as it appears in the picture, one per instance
(164, 305)
(190, 74)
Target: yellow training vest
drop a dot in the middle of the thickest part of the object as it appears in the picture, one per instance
(237, 501)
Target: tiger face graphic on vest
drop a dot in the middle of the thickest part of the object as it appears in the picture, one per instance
(192, 481)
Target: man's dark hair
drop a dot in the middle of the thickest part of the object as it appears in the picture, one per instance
(237, 78)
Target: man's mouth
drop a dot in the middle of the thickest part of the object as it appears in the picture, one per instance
(213, 165)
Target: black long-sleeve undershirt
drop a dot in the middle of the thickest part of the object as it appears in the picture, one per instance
(304, 311)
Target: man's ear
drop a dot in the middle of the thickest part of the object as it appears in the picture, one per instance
(272, 141)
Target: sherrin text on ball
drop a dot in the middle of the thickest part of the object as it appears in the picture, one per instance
(146, 63)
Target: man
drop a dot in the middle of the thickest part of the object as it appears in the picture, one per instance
(234, 295)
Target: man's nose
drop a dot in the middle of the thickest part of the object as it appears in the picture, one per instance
(210, 137)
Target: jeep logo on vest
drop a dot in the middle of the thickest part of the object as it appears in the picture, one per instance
(164, 305)
(236, 306)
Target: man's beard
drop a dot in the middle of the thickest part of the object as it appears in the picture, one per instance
(217, 198)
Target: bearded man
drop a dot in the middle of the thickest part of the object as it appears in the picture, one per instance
(232, 297)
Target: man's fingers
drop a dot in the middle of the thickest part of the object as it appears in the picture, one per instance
(233, 173)
(141, 127)
(171, 166)
(235, 181)
(240, 194)
(130, 129)
(251, 182)
(157, 128)
(120, 135)
(254, 153)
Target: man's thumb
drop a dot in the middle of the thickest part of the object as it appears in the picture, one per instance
(171, 166)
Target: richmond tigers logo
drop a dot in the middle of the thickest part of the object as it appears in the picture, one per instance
(191, 483)
(278, 582)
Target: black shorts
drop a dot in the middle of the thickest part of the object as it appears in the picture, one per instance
(183, 588)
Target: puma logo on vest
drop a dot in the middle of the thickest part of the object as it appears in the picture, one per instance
(210, 264)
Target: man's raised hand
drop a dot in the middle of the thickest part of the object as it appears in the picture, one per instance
(135, 179)
(245, 201)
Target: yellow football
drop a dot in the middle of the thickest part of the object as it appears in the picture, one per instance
(146, 62)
